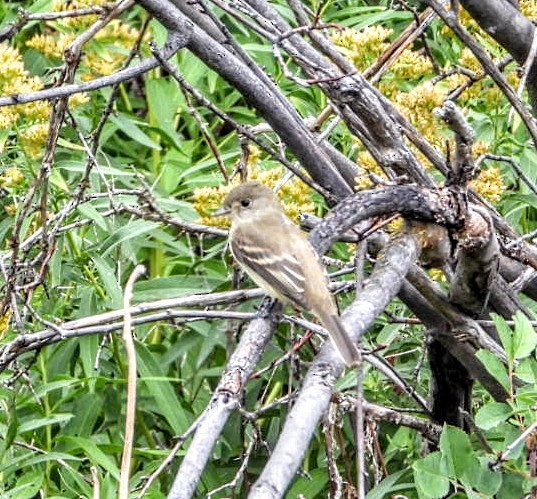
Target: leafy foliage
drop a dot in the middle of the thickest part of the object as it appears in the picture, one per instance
(132, 159)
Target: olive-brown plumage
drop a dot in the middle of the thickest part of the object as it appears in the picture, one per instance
(279, 258)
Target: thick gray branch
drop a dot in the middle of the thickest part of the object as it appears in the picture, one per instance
(513, 31)
(284, 120)
(226, 399)
(315, 395)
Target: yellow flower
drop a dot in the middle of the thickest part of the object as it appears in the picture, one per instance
(8, 117)
(10, 209)
(103, 63)
(362, 47)
(254, 153)
(417, 105)
(368, 166)
(51, 46)
(78, 99)
(528, 8)
(11, 177)
(468, 60)
(4, 323)
(11, 63)
(479, 147)
(33, 139)
(489, 184)
(412, 65)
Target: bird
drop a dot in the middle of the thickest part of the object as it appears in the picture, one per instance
(278, 257)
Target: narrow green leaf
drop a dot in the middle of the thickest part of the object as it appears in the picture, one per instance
(163, 392)
(310, 486)
(88, 211)
(127, 232)
(28, 485)
(108, 278)
(95, 454)
(164, 111)
(128, 125)
(86, 410)
(34, 424)
(389, 485)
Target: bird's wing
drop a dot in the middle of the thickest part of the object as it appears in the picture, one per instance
(276, 265)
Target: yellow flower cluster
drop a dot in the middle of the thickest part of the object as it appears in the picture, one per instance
(528, 8)
(411, 65)
(489, 183)
(15, 79)
(51, 46)
(33, 139)
(368, 166)
(12, 176)
(4, 323)
(468, 60)
(294, 195)
(103, 55)
(362, 47)
(118, 39)
(80, 22)
(8, 117)
(417, 105)
(11, 63)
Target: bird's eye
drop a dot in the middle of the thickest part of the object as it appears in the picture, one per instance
(246, 202)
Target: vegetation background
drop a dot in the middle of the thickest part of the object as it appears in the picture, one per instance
(102, 178)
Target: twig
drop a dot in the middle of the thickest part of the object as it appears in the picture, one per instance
(241, 129)
(130, 412)
(171, 455)
(502, 457)
(174, 43)
(451, 20)
(95, 481)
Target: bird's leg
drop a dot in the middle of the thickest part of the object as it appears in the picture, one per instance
(266, 307)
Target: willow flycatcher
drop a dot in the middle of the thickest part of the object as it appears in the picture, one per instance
(279, 258)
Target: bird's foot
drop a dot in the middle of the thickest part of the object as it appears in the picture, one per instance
(266, 307)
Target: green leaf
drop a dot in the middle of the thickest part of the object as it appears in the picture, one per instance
(457, 450)
(495, 367)
(86, 410)
(484, 479)
(310, 486)
(28, 485)
(166, 287)
(108, 278)
(524, 337)
(128, 125)
(431, 476)
(96, 456)
(527, 370)
(492, 414)
(34, 424)
(164, 110)
(389, 485)
(506, 336)
(88, 211)
(163, 392)
(132, 230)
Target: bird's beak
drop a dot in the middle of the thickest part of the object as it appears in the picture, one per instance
(221, 212)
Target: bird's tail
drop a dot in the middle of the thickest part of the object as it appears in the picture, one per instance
(341, 340)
